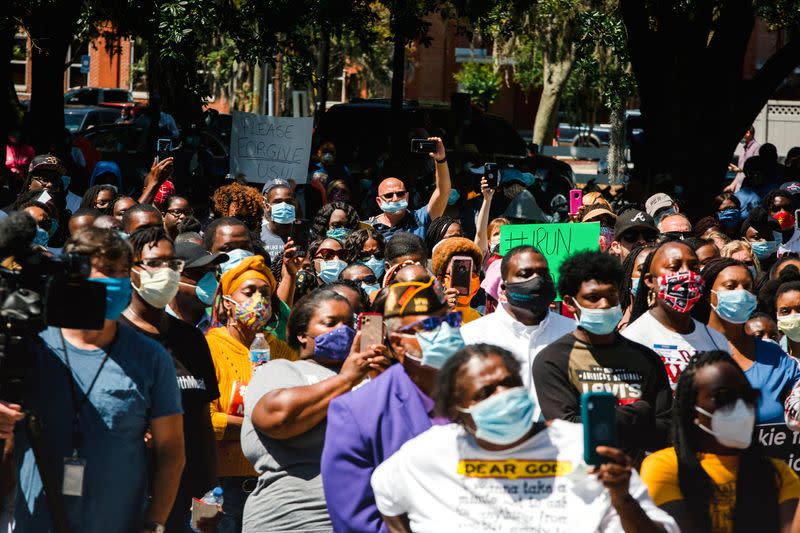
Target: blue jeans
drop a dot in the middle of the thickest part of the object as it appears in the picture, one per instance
(233, 498)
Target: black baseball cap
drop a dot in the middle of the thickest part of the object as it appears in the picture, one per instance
(633, 218)
(196, 256)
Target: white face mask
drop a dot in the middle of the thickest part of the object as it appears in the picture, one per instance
(732, 426)
(158, 288)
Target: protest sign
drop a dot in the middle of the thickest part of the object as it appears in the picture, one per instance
(555, 241)
(264, 148)
(779, 442)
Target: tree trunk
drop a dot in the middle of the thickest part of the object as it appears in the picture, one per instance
(47, 89)
(278, 83)
(617, 166)
(258, 88)
(556, 75)
(324, 69)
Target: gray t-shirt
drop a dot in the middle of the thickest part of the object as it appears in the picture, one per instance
(288, 496)
(273, 244)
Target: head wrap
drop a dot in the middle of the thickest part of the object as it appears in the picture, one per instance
(250, 268)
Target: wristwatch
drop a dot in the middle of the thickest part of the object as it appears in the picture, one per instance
(155, 527)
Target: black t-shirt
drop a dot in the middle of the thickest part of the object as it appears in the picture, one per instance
(197, 382)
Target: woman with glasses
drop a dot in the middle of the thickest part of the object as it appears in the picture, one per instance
(328, 259)
(100, 197)
(244, 305)
(366, 246)
(285, 413)
(155, 276)
(174, 210)
(335, 220)
(715, 478)
(769, 370)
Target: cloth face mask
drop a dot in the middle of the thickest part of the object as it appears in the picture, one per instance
(680, 290)
(335, 344)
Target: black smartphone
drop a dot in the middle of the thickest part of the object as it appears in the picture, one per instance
(163, 149)
(599, 417)
(461, 274)
(492, 175)
(422, 146)
(300, 235)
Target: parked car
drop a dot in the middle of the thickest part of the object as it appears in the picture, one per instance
(98, 96)
(80, 118)
(592, 136)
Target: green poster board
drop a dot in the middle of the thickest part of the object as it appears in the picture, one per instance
(555, 241)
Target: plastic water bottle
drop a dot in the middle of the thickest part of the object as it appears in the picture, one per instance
(259, 351)
(213, 497)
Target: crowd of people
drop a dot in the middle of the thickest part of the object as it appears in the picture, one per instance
(235, 352)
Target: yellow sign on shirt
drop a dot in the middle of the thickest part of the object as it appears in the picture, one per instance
(513, 468)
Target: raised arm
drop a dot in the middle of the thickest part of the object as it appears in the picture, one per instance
(438, 201)
(482, 222)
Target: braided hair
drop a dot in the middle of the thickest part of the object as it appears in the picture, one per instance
(437, 230)
(626, 289)
(757, 479)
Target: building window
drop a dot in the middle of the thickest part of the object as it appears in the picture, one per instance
(75, 78)
(19, 62)
(139, 68)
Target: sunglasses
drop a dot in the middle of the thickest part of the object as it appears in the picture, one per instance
(427, 324)
(326, 254)
(635, 235)
(389, 195)
(678, 234)
(369, 280)
(155, 264)
(366, 256)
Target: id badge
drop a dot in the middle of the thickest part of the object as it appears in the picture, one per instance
(73, 476)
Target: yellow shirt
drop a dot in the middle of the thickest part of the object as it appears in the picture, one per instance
(660, 474)
(232, 363)
(468, 314)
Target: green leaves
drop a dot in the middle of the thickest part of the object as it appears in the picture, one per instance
(479, 80)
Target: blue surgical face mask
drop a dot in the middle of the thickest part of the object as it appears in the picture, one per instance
(118, 295)
(335, 344)
(730, 218)
(41, 237)
(634, 286)
(439, 344)
(376, 265)
(340, 234)
(599, 321)
(764, 249)
(122, 235)
(453, 198)
(394, 207)
(328, 158)
(503, 418)
(735, 306)
(369, 288)
(234, 258)
(206, 288)
(329, 270)
(282, 213)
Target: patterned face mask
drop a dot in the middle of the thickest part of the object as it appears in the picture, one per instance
(680, 290)
(254, 314)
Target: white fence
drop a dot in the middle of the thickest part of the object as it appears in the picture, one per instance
(778, 123)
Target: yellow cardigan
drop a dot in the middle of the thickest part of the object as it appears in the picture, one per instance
(232, 363)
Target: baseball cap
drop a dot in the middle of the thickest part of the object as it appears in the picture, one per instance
(792, 187)
(414, 298)
(596, 211)
(277, 182)
(44, 163)
(633, 218)
(196, 256)
(657, 202)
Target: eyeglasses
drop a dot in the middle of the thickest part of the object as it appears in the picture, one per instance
(778, 208)
(366, 256)
(427, 324)
(186, 211)
(369, 280)
(398, 194)
(155, 264)
(326, 254)
(635, 235)
(44, 182)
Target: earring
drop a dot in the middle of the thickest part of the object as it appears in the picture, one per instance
(651, 298)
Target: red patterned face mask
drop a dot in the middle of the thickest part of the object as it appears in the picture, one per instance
(680, 290)
(785, 219)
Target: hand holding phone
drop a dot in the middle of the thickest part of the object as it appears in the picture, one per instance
(423, 146)
(599, 418)
(575, 201)
(492, 175)
(461, 274)
(300, 235)
(163, 149)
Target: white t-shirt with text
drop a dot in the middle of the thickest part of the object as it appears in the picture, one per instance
(444, 481)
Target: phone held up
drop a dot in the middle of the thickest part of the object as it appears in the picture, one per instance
(163, 149)
(492, 175)
(598, 414)
(461, 274)
(300, 235)
(422, 146)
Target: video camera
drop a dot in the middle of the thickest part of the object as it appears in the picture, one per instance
(36, 292)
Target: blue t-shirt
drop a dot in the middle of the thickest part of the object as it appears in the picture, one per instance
(136, 385)
(415, 222)
(748, 200)
(773, 374)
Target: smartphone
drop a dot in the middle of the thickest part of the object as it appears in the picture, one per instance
(575, 201)
(461, 274)
(422, 146)
(492, 175)
(371, 327)
(163, 149)
(599, 417)
(300, 234)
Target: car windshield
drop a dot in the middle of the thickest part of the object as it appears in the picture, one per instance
(73, 121)
(116, 96)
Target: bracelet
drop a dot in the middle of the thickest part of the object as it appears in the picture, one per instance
(441, 161)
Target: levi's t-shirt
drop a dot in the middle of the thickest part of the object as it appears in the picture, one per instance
(443, 481)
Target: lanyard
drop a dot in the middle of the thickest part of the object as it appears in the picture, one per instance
(77, 405)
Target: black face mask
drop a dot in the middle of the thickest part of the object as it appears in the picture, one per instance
(534, 295)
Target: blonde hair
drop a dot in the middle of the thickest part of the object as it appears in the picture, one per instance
(737, 246)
